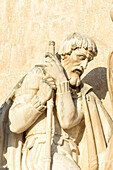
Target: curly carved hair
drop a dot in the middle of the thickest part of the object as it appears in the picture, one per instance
(77, 40)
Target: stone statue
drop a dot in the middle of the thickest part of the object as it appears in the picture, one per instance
(78, 115)
(108, 156)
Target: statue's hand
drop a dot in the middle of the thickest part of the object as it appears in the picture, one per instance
(44, 93)
(54, 68)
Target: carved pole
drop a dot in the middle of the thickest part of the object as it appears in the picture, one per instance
(50, 105)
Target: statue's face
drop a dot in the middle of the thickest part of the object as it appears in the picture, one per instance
(75, 64)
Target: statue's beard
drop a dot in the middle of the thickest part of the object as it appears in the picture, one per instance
(75, 80)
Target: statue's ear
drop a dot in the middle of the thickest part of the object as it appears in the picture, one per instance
(110, 76)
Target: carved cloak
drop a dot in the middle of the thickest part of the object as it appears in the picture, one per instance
(98, 131)
(11, 144)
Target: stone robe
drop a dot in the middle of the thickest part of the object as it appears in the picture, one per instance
(98, 129)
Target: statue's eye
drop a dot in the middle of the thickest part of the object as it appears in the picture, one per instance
(73, 71)
(82, 57)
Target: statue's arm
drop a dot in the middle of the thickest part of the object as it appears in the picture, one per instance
(24, 112)
(66, 111)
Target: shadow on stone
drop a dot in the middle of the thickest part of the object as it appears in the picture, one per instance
(97, 78)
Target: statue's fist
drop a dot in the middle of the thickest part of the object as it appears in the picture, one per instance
(44, 93)
(54, 68)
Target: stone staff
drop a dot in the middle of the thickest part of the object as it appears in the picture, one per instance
(50, 105)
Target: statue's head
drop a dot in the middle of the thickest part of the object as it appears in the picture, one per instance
(75, 52)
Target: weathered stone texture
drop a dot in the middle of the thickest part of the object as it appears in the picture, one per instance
(26, 26)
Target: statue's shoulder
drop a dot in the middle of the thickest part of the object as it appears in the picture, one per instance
(36, 70)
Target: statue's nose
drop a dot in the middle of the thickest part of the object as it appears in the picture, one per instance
(84, 63)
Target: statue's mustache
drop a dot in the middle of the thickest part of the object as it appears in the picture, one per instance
(78, 70)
